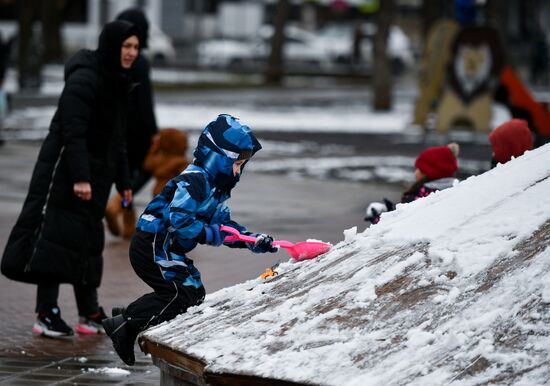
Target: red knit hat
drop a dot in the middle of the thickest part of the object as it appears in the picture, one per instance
(512, 138)
(437, 162)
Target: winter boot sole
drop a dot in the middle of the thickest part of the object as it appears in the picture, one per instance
(117, 329)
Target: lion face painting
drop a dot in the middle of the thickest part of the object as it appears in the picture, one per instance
(476, 62)
(472, 66)
(472, 77)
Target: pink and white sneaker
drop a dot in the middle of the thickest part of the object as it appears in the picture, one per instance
(91, 324)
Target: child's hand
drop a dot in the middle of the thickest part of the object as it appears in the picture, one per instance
(374, 210)
(263, 244)
(213, 235)
(389, 204)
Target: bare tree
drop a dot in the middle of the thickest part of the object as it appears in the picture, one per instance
(275, 64)
(52, 13)
(34, 48)
(496, 16)
(28, 53)
(356, 46)
(382, 76)
(431, 12)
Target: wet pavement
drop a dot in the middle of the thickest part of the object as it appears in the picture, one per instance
(26, 359)
(290, 208)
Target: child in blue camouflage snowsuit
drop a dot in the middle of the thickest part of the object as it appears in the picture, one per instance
(189, 210)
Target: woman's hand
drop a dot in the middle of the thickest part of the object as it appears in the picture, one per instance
(83, 190)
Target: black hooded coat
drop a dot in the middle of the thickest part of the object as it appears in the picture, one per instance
(142, 124)
(59, 237)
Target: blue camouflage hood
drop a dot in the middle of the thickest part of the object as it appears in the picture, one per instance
(219, 146)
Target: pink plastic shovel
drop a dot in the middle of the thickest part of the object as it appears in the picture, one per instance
(300, 251)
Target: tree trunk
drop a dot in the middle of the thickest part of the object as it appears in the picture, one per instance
(356, 54)
(29, 64)
(430, 14)
(275, 64)
(52, 12)
(496, 16)
(382, 76)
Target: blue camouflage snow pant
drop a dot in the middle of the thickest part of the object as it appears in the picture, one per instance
(169, 299)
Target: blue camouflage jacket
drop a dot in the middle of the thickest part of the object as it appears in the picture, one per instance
(178, 214)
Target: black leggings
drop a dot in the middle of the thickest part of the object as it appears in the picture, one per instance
(48, 292)
(169, 299)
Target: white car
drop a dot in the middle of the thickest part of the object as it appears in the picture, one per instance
(323, 49)
(300, 48)
(228, 52)
(160, 49)
(76, 36)
(338, 40)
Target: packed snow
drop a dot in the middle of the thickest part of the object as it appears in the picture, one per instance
(450, 289)
(110, 371)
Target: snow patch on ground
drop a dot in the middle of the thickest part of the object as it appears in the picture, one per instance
(111, 371)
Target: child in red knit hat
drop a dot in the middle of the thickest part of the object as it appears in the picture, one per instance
(511, 139)
(435, 168)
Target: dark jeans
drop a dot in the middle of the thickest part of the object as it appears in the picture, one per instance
(86, 298)
(169, 299)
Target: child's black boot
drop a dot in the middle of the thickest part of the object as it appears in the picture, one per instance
(120, 332)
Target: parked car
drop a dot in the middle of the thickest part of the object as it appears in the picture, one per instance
(324, 49)
(301, 48)
(160, 48)
(220, 53)
(75, 37)
(338, 42)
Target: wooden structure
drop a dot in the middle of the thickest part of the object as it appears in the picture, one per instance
(179, 369)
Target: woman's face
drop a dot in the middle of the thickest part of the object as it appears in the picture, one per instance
(129, 52)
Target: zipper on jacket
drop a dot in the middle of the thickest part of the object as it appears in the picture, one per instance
(43, 213)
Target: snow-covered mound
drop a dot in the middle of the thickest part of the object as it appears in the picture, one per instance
(453, 288)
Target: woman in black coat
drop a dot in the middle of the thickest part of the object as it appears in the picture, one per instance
(59, 235)
(141, 127)
(142, 123)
